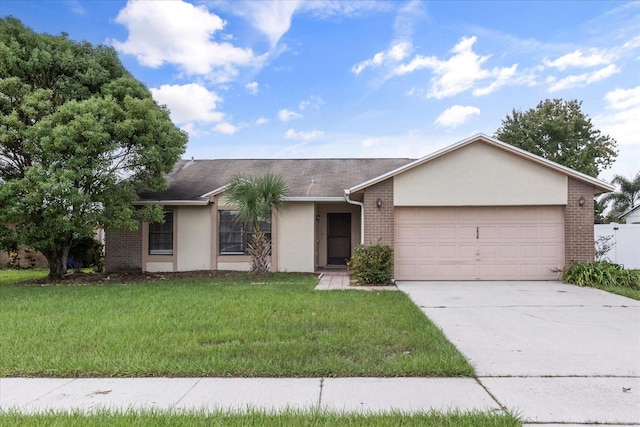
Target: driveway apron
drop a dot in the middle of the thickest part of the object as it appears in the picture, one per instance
(551, 352)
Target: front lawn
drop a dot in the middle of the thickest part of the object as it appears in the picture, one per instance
(220, 326)
(289, 418)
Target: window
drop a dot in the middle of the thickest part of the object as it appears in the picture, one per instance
(234, 235)
(161, 236)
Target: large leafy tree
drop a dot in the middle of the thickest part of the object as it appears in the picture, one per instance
(559, 131)
(626, 196)
(78, 135)
(255, 199)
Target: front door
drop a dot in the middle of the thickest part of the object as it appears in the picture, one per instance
(338, 238)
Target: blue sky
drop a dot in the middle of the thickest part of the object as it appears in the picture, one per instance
(299, 79)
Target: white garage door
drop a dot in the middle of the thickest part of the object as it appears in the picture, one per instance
(479, 243)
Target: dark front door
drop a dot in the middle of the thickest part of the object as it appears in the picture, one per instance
(338, 238)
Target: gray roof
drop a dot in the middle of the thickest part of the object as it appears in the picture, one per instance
(315, 178)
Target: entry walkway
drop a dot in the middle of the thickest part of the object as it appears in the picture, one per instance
(339, 280)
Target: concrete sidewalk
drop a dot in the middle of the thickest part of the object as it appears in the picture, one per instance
(364, 395)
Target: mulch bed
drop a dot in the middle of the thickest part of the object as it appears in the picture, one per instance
(122, 278)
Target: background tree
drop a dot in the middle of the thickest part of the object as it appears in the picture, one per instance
(255, 199)
(559, 131)
(78, 135)
(626, 196)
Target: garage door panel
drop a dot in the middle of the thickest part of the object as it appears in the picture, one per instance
(476, 243)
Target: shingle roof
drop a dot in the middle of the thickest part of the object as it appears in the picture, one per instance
(315, 178)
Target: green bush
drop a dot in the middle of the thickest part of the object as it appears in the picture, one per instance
(86, 252)
(372, 265)
(600, 274)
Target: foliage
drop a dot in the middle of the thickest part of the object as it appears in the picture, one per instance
(255, 199)
(8, 239)
(218, 324)
(559, 131)
(372, 265)
(86, 252)
(78, 135)
(602, 247)
(253, 417)
(600, 274)
(626, 196)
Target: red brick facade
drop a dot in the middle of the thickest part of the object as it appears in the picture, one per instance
(379, 222)
(123, 250)
(578, 223)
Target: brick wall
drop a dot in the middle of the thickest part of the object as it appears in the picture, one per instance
(578, 223)
(123, 250)
(378, 223)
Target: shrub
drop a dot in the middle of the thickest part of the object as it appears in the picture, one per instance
(600, 273)
(372, 265)
(86, 252)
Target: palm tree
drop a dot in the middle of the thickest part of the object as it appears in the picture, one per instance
(626, 197)
(255, 198)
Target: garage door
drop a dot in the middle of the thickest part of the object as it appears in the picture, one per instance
(479, 243)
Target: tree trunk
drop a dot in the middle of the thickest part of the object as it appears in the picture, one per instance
(259, 248)
(57, 258)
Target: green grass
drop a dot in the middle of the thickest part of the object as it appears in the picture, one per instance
(12, 276)
(288, 418)
(227, 326)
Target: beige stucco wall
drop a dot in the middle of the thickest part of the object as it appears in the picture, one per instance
(194, 231)
(295, 237)
(233, 266)
(159, 267)
(480, 175)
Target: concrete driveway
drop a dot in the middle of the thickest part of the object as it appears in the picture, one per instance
(551, 352)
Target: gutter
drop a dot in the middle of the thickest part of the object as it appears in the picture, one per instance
(347, 193)
(172, 202)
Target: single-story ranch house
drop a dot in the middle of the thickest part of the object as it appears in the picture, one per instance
(479, 209)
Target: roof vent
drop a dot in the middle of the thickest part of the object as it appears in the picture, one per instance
(313, 180)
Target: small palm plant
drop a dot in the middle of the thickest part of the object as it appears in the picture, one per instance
(255, 198)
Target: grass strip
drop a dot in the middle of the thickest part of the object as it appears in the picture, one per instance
(222, 327)
(284, 419)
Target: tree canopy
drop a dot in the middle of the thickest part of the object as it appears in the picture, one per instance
(626, 196)
(559, 131)
(78, 135)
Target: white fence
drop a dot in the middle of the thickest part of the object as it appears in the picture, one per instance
(625, 243)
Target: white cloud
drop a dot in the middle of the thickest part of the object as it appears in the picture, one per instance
(302, 135)
(619, 99)
(456, 115)
(312, 102)
(459, 73)
(505, 75)
(262, 121)
(252, 88)
(622, 121)
(287, 115)
(180, 33)
(76, 7)
(592, 58)
(584, 79)
(394, 54)
(189, 103)
(226, 128)
(273, 18)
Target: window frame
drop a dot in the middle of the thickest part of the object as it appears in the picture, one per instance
(160, 230)
(243, 229)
